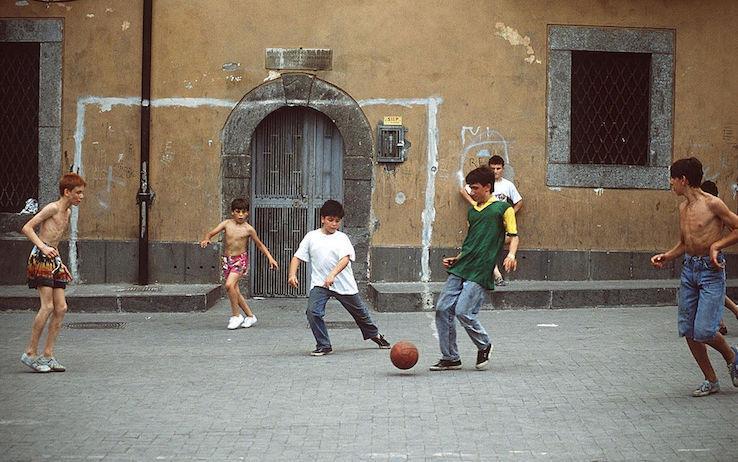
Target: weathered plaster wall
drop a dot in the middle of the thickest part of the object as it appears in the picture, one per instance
(482, 63)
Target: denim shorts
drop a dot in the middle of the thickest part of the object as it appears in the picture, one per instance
(701, 298)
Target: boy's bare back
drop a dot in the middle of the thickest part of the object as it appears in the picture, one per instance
(701, 223)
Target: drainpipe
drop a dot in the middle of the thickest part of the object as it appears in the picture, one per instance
(145, 195)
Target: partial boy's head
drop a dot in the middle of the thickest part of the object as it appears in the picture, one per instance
(239, 203)
(709, 187)
(482, 176)
(690, 169)
(496, 160)
(331, 208)
(497, 165)
(481, 182)
(70, 181)
(331, 214)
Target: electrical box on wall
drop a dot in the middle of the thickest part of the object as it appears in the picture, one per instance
(391, 143)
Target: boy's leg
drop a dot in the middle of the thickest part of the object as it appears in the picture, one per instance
(60, 309)
(231, 286)
(39, 322)
(699, 353)
(315, 311)
(467, 309)
(445, 313)
(711, 296)
(358, 310)
(242, 303)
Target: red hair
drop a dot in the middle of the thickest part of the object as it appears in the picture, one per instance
(70, 181)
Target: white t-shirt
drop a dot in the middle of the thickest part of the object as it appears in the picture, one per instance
(505, 189)
(323, 252)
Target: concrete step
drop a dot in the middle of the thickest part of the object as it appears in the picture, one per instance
(120, 297)
(418, 296)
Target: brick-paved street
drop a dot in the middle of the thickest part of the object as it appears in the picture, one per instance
(605, 384)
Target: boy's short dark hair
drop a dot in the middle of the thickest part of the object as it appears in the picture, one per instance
(239, 203)
(689, 168)
(70, 181)
(331, 208)
(496, 160)
(482, 176)
(709, 187)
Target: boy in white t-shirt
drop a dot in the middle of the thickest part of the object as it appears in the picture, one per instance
(504, 190)
(330, 252)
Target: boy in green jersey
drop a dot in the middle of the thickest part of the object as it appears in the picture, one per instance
(470, 272)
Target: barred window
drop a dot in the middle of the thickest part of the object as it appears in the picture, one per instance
(19, 99)
(610, 107)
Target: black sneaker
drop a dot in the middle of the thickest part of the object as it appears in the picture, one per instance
(321, 351)
(446, 365)
(483, 357)
(381, 341)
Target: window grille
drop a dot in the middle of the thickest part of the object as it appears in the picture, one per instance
(610, 93)
(19, 95)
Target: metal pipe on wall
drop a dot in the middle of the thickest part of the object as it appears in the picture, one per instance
(145, 195)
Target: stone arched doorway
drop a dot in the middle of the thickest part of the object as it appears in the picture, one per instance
(299, 89)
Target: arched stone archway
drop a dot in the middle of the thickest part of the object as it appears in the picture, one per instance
(300, 89)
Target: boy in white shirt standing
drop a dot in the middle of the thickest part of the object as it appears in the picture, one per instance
(330, 253)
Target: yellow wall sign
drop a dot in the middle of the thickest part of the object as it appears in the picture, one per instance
(392, 120)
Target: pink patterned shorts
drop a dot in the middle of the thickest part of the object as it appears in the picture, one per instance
(236, 263)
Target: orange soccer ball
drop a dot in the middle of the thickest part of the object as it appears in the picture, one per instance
(404, 354)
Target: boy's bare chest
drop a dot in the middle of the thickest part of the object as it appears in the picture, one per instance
(237, 232)
(698, 219)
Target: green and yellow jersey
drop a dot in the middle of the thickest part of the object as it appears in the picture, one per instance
(488, 224)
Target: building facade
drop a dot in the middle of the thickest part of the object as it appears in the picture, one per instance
(384, 106)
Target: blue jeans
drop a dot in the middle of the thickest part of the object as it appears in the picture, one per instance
(319, 296)
(459, 299)
(701, 298)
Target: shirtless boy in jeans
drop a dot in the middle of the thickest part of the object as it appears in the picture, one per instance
(702, 221)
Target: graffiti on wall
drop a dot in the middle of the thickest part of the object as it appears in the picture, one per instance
(478, 144)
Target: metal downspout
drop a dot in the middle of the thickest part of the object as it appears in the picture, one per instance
(145, 195)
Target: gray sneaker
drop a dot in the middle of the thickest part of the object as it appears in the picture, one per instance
(53, 364)
(34, 363)
(707, 388)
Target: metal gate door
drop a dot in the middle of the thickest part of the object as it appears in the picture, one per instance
(297, 159)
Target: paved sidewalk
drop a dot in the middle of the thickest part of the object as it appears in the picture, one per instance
(585, 384)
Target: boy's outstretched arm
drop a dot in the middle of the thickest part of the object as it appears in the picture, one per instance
(510, 263)
(263, 249)
(511, 229)
(340, 266)
(292, 274)
(30, 232)
(209, 235)
(659, 260)
(730, 220)
(730, 304)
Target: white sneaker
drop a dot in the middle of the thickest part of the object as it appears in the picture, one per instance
(235, 322)
(248, 321)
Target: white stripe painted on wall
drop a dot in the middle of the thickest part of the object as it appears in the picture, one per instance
(428, 215)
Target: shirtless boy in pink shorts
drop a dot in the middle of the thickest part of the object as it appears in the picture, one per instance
(236, 259)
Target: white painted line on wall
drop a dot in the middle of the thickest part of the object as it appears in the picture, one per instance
(428, 215)
(106, 104)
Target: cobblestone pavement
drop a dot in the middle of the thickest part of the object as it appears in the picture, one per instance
(585, 384)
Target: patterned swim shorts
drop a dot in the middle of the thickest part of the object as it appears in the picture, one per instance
(236, 263)
(45, 271)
